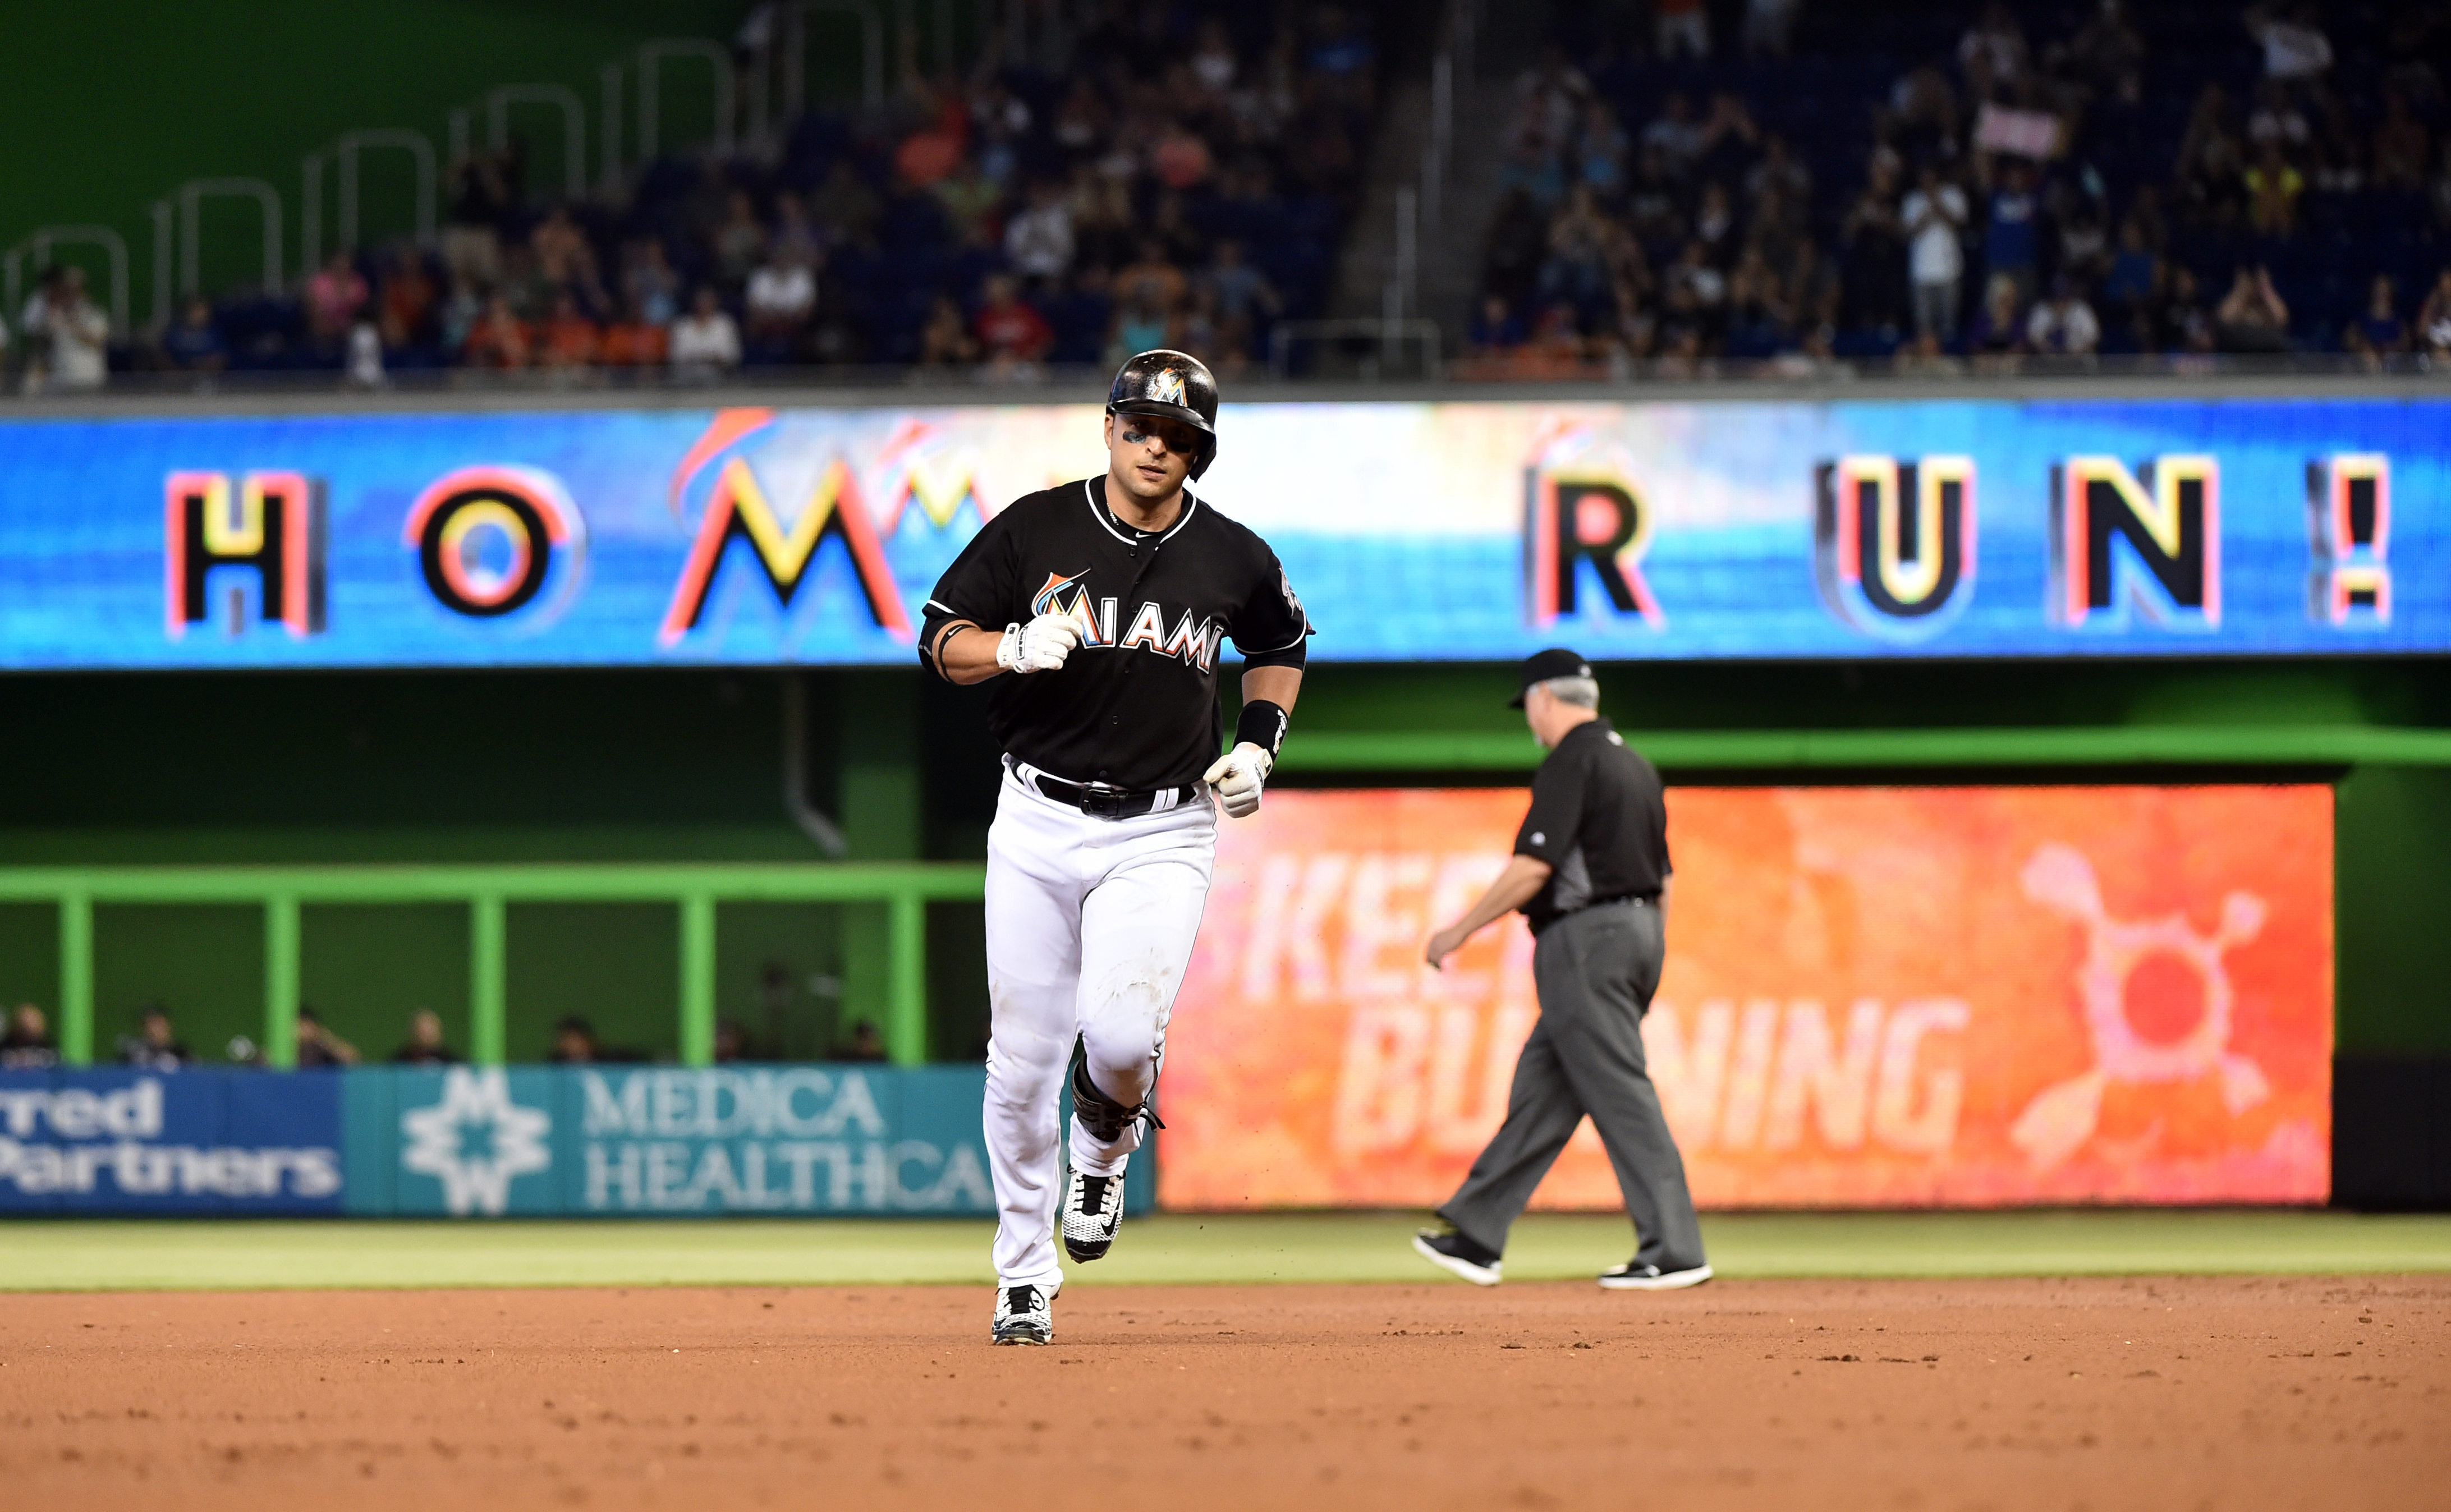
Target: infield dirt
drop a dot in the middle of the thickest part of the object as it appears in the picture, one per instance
(2152, 1393)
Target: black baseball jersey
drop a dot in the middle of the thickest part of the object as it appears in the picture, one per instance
(1599, 820)
(1135, 706)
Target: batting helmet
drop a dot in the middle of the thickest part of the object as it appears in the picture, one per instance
(1175, 386)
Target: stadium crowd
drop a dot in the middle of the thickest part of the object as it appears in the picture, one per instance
(2049, 179)
(1185, 182)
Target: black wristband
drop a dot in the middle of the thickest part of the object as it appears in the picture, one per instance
(1264, 725)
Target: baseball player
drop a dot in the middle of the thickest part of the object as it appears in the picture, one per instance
(1099, 607)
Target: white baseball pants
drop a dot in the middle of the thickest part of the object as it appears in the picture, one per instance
(1090, 924)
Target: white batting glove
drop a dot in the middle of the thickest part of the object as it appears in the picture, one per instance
(1237, 777)
(1038, 646)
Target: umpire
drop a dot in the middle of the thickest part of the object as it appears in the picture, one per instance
(1590, 872)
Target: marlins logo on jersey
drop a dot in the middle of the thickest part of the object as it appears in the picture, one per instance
(1096, 619)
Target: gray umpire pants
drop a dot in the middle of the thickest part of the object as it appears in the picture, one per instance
(1595, 971)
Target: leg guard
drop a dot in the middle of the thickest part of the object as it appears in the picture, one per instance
(1104, 1117)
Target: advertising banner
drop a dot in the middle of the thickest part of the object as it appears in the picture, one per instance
(1873, 997)
(475, 1142)
(1473, 530)
(668, 1140)
(196, 1141)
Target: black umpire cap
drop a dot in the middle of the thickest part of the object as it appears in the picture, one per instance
(1172, 386)
(1541, 666)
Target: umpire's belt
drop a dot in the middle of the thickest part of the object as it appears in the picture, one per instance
(1101, 802)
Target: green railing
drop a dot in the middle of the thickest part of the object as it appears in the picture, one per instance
(2071, 745)
(904, 889)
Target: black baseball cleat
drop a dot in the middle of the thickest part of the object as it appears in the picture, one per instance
(1631, 1277)
(1453, 1253)
(1093, 1209)
(1023, 1315)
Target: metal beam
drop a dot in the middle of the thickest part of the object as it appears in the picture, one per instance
(76, 977)
(281, 943)
(489, 989)
(905, 1004)
(698, 979)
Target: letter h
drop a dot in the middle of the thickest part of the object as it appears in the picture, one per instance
(274, 524)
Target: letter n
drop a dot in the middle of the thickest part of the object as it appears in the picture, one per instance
(2169, 523)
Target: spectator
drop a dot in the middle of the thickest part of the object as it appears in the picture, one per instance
(634, 340)
(2277, 118)
(969, 197)
(865, 1044)
(1873, 242)
(565, 260)
(1038, 241)
(793, 234)
(2108, 55)
(569, 339)
(334, 297)
(2253, 318)
(731, 1042)
(845, 204)
(704, 342)
(499, 338)
(409, 298)
(153, 1047)
(2294, 45)
(1925, 358)
(2272, 189)
(574, 1043)
(1495, 331)
(2180, 323)
(1935, 217)
(2011, 235)
(2380, 332)
(1992, 52)
(193, 343)
(1245, 299)
(1009, 333)
(1769, 24)
(1152, 282)
(2434, 319)
(782, 295)
(2129, 289)
(424, 1045)
(1999, 326)
(2211, 160)
(27, 1046)
(1681, 25)
(1600, 148)
(1576, 270)
(652, 288)
(69, 334)
(318, 1046)
(945, 340)
(739, 242)
(2401, 148)
(363, 359)
(481, 199)
(2064, 326)
(1676, 135)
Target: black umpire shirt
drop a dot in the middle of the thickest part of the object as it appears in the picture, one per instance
(1599, 819)
(1135, 706)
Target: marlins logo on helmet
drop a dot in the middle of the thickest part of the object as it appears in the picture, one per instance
(1165, 387)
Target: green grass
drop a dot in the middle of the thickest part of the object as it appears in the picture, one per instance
(82, 1255)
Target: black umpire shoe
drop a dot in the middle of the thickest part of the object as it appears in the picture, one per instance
(1452, 1252)
(1631, 1277)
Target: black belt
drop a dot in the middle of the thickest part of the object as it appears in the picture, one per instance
(1108, 803)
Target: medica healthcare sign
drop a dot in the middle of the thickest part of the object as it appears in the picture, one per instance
(1873, 997)
(1479, 530)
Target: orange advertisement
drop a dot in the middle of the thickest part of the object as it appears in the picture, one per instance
(1873, 997)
